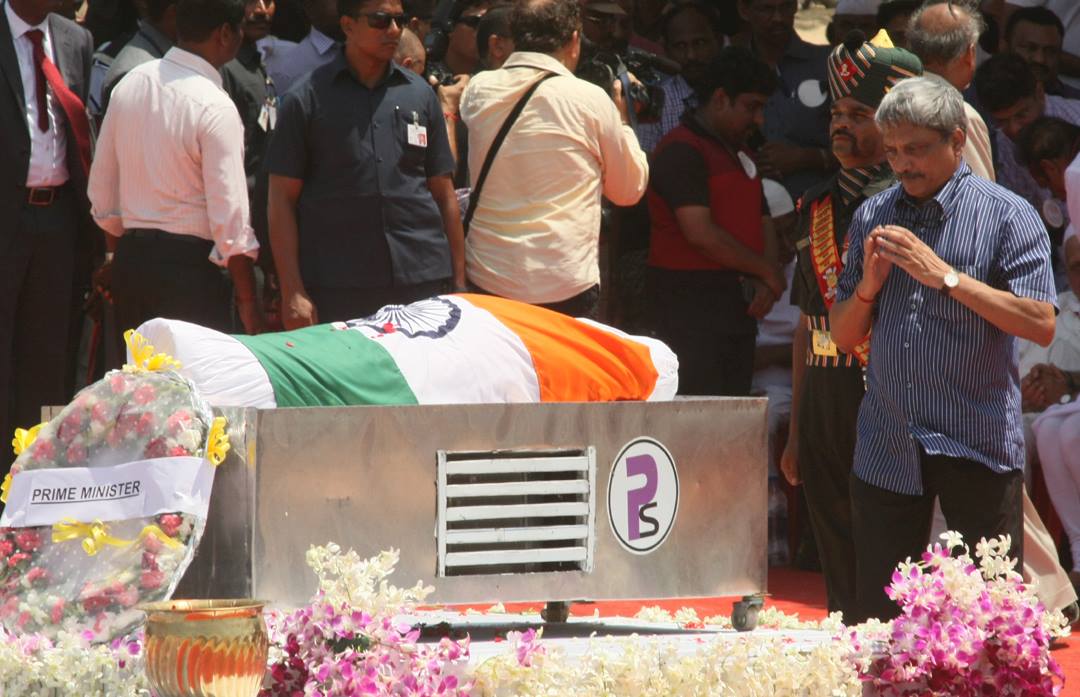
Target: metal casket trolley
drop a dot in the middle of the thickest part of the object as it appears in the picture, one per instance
(496, 503)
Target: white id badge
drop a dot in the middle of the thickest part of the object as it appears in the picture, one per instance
(267, 116)
(417, 135)
(748, 165)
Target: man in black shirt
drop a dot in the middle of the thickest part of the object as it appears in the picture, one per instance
(252, 90)
(362, 208)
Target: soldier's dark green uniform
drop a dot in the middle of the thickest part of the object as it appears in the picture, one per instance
(832, 384)
(832, 388)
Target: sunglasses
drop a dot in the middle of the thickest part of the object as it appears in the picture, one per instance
(470, 20)
(381, 20)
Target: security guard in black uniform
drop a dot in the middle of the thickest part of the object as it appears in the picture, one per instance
(827, 384)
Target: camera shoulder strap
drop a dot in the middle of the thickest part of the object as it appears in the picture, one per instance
(474, 195)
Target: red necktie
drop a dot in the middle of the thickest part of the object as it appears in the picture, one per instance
(47, 72)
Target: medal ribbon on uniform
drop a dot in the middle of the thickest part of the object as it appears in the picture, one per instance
(827, 263)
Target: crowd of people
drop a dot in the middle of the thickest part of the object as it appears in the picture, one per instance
(863, 231)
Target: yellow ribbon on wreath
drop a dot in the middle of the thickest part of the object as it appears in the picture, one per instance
(95, 536)
(217, 443)
(24, 438)
(143, 358)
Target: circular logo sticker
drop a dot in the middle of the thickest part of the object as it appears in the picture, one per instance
(643, 495)
(1052, 213)
(811, 94)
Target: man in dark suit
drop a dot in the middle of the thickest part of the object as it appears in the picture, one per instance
(45, 141)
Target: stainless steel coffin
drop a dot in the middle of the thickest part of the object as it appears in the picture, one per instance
(369, 478)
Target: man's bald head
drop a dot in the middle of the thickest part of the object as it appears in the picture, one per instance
(410, 52)
(943, 35)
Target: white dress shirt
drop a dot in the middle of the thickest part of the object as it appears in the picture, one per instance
(535, 235)
(1072, 192)
(1064, 350)
(171, 157)
(48, 150)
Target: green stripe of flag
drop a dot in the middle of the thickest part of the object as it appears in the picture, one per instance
(323, 366)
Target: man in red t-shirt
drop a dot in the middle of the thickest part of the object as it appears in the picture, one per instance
(712, 253)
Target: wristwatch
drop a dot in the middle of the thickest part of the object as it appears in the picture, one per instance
(1065, 399)
(951, 281)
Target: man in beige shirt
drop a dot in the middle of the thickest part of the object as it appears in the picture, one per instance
(944, 37)
(536, 228)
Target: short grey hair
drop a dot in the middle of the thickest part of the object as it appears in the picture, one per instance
(926, 102)
(942, 47)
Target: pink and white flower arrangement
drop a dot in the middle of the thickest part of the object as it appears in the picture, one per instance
(347, 642)
(32, 665)
(965, 628)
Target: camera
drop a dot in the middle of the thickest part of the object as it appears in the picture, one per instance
(438, 40)
(644, 101)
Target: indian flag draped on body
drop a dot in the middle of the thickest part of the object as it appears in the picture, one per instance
(451, 349)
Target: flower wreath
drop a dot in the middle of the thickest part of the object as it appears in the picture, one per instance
(86, 577)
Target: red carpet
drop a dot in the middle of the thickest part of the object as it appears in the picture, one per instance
(793, 592)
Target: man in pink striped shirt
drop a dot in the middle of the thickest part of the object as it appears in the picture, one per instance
(168, 183)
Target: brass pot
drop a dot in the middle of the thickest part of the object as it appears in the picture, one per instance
(205, 648)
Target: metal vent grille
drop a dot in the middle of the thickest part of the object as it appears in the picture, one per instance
(515, 512)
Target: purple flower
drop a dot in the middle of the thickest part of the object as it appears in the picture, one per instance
(944, 642)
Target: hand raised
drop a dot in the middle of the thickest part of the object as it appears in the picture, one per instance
(876, 266)
(900, 246)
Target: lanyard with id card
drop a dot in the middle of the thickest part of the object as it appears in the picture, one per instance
(415, 133)
(268, 112)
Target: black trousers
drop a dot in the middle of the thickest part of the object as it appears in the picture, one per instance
(584, 304)
(159, 274)
(828, 410)
(37, 262)
(701, 316)
(342, 304)
(890, 527)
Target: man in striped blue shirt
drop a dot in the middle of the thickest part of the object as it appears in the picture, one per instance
(944, 270)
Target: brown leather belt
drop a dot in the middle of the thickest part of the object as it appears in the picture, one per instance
(42, 195)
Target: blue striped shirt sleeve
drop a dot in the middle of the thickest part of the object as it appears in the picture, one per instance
(1020, 262)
